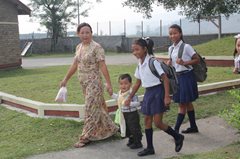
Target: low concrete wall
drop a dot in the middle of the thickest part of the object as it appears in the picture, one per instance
(112, 43)
(76, 111)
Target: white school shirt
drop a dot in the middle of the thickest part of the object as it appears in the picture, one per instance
(188, 52)
(237, 62)
(144, 73)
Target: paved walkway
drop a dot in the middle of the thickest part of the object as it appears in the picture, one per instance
(44, 62)
(214, 133)
(124, 58)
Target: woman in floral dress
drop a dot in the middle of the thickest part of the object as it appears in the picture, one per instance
(90, 63)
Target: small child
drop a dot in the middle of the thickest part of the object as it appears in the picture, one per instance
(127, 116)
(236, 55)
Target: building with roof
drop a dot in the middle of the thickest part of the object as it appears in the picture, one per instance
(10, 52)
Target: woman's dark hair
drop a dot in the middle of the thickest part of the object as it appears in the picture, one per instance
(175, 26)
(80, 26)
(125, 76)
(145, 42)
(235, 49)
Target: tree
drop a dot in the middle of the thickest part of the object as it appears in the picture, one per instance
(191, 8)
(55, 15)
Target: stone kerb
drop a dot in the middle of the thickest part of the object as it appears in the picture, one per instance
(76, 111)
(218, 86)
(41, 109)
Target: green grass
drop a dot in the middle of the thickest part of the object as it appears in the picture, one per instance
(42, 84)
(22, 136)
(31, 136)
(229, 152)
(224, 46)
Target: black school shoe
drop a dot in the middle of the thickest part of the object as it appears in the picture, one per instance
(146, 152)
(179, 143)
(190, 130)
(130, 142)
(136, 145)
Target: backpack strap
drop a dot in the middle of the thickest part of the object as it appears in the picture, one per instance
(180, 50)
(152, 67)
(171, 53)
(180, 53)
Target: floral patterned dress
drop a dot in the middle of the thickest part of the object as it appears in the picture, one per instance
(97, 122)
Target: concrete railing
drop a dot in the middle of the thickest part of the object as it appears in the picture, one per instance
(76, 111)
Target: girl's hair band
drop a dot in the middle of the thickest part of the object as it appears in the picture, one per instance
(237, 36)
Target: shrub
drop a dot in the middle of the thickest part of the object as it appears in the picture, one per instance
(232, 115)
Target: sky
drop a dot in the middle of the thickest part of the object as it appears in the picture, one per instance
(101, 14)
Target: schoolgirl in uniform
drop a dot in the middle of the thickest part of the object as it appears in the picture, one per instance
(156, 96)
(188, 90)
(236, 55)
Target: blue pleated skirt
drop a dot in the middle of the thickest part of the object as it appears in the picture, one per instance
(188, 90)
(153, 101)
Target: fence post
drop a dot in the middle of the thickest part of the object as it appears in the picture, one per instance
(97, 28)
(124, 27)
(160, 28)
(32, 42)
(220, 26)
(142, 27)
(110, 28)
(199, 27)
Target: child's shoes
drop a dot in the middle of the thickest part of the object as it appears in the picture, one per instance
(136, 145)
(130, 141)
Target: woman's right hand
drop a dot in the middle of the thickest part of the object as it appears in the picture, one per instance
(235, 70)
(63, 83)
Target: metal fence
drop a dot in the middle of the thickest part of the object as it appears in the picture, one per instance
(154, 28)
(160, 28)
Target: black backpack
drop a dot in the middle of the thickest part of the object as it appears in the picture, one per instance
(169, 71)
(200, 69)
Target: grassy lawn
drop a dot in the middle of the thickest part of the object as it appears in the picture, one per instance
(229, 152)
(223, 46)
(22, 136)
(30, 136)
(42, 84)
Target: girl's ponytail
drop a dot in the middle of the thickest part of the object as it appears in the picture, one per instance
(145, 42)
(150, 45)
